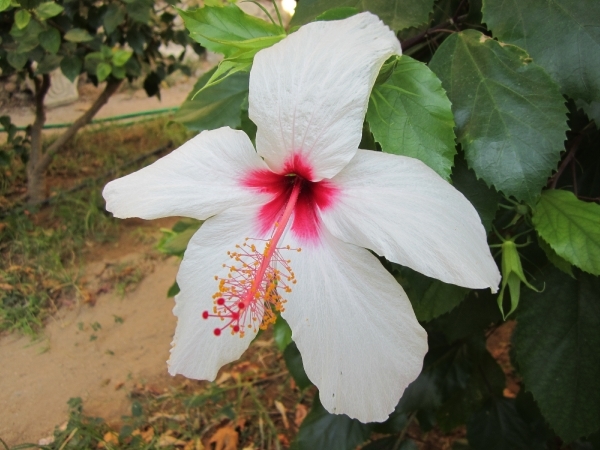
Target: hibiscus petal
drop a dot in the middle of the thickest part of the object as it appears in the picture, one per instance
(403, 210)
(360, 342)
(309, 92)
(196, 351)
(199, 179)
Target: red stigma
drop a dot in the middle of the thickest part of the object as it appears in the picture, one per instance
(205, 315)
(217, 332)
(221, 301)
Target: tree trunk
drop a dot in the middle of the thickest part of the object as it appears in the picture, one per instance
(39, 161)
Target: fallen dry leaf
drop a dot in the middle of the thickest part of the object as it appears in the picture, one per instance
(196, 444)
(167, 440)
(225, 438)
(301, 413)
(281, 408)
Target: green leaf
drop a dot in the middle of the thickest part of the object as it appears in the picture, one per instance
(140, 10)
(391, 443)
(483, 198)
(48, 9)
(49, 63)
(337, 14)
(282, 333)
(118, 72)
(175, 241)
(410, 115)
(50, 40)
(120, 57)
(173, 290)
(103, 70)
(558, 262)
(498, 426)
(477, 312)
(560, 35)
(71, 67)
(321, 430)
(571, 227)
(397, 14)
(78, 35)
(430, 298)
(4, 4)
(510, 115)
(556, 342)
(22, 18)
(225, 29)
(216, 106)
(293, 361)
(114, 16)
(16, 60)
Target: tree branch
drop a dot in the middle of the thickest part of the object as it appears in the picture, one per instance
(408, 43)
(566, 161)
(111, 86)
(41, 89)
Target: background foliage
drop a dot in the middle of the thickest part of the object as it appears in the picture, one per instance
(500, 98)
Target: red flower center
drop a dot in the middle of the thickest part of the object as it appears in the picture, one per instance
(313, 196)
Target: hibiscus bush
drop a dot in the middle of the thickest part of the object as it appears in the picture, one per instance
(477, 128)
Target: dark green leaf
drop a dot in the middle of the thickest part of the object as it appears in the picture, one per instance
(50, 40)
(48, 9)
(17, 60)
(139, 10)
(498, 426)
(216, 106)
(152, 84)
(321, 430)
(556, 343)
(22, 18)
(410, 115)
(49, 63)
(337, 14)
(391, 443)
(478, 311)
(571, 227)
(173, 290)
(397, 14)
(114, 16)
(468, 377)
(78, 35)
(293, 361)
(282, 333)
(430, 298)
(560, 35)
(212, 26)
(71, 67)
(484, 198)
(510, 115)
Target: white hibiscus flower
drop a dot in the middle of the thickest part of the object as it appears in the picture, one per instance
(288, 225)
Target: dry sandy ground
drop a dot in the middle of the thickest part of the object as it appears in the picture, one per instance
(37, 378)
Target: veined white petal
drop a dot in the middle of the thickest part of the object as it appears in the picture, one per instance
(199, 179)
(403, 210)
(360, 342)
(196, 352)
(309, 93)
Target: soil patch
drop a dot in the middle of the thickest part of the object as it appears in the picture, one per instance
(97, 353)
